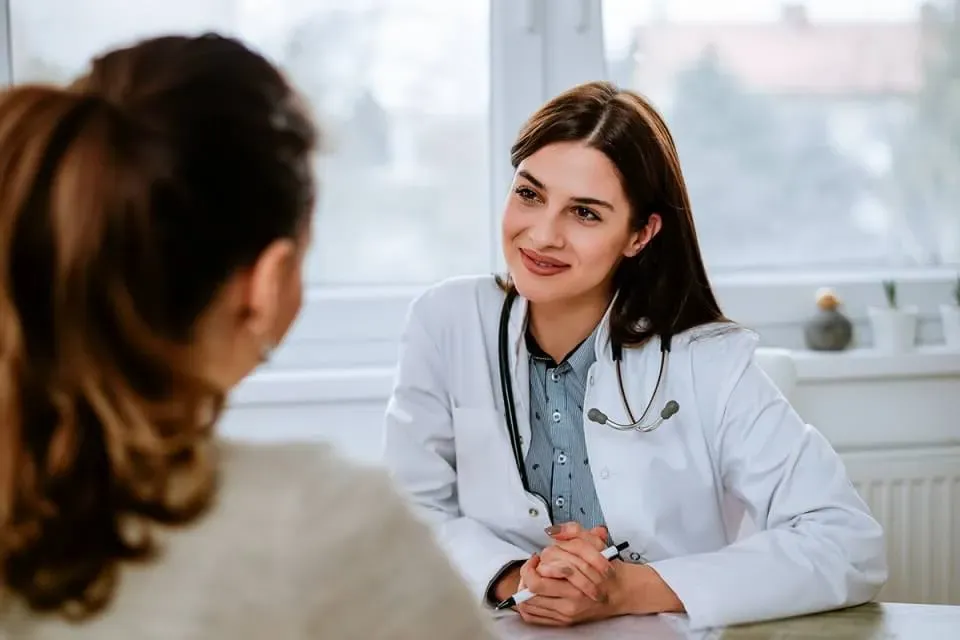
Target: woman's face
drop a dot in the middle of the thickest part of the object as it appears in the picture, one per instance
(566, 226)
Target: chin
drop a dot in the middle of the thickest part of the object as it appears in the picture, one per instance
(541, 290)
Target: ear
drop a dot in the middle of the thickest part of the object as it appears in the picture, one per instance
(267, 277)
(640, 239)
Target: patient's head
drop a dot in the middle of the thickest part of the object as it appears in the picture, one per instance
(153, 221)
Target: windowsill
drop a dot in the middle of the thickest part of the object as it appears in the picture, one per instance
(317, 386)
(868, 364)
(347, 327)
(373, 384)
(755, 300)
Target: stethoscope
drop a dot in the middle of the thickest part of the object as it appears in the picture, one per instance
(595, 415)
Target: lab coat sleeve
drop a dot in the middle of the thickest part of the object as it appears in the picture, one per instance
(818, 547)
(419, 452)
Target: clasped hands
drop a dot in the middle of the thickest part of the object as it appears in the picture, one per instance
(574, 583)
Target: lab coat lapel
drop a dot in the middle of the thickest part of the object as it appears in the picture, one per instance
(520, 369)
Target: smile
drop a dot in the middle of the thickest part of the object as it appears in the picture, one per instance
(541, 265)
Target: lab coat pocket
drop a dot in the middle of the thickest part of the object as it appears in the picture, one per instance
(486, 471)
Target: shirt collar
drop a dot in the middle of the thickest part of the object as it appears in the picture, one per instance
(579, 359)
(600, 339)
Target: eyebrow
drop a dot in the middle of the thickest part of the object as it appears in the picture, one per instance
(529, 176)
(579, 200)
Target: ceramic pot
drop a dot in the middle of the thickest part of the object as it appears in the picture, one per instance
(828, 330)
(894, 328)
(950, 319)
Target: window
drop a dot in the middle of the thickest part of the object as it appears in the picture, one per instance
(812, 134)
(819, 138)
(400, 87)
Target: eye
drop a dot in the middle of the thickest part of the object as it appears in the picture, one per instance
(585, 214)
(527, 194)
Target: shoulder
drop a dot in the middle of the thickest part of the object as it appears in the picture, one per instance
(358, 549)
(448, 298)
(301, 484)
(314, 474)
(446, 312)
(717, 356)
(719, 344)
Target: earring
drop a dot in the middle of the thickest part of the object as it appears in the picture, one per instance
(266, 350)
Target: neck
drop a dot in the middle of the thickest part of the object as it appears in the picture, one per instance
(559, 327)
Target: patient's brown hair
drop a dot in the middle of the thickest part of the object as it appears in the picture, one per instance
(126, 202)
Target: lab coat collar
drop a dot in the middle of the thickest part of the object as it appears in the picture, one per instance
(602, 344)
(518, 328)
(518, 325)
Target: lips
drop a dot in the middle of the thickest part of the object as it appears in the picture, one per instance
(540, 264)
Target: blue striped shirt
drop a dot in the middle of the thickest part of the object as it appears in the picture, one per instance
(557, 464)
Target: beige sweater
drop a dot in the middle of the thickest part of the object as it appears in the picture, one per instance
(300, 545)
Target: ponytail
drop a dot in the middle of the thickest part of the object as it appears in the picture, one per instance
(90, 440)
(128, 203)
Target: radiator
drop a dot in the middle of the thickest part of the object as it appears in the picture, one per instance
(915, 494)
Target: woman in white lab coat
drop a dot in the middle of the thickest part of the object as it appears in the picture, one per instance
(610, 308)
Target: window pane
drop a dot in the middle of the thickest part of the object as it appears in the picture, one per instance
(817, 133)
(400, 86)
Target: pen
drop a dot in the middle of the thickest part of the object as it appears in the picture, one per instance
(526, 594)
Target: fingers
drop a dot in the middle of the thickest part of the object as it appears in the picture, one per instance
(575, 578)
(597, 573)
(566, 566)
(559, 556)
(548, 587)
(532, 563)
(555, 570)
(601, 533)
(565, 530)
(529, 615)
(534, 613)
(597, 536)
(587, 554)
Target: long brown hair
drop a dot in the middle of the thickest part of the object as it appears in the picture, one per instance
(126, 202)
(666, 284)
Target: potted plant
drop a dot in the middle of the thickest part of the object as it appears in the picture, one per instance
(894, 326)
(950, 317)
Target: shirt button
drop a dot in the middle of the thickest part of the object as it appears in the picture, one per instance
(562, 458)
(560, 502)
(556, 416)
(604, 474)
(590, 380)
(635, 556)
(555, 376)
(533, 513)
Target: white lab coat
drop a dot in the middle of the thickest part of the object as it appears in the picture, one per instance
(677, 495)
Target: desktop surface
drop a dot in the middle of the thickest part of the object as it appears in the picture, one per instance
(875, 621)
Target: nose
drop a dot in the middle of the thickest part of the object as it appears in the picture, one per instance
(546, 231)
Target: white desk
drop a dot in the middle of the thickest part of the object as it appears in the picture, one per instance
(868, 622)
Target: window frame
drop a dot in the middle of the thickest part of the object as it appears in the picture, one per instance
(348, 332)
(6, 44)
